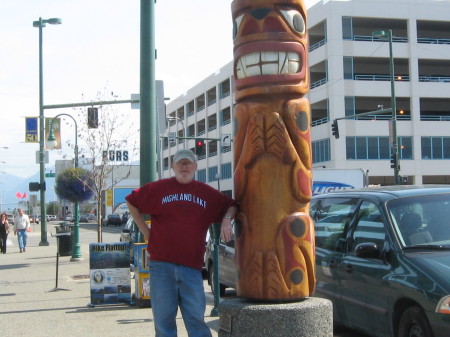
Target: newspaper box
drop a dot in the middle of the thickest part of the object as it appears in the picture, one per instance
(141, 275)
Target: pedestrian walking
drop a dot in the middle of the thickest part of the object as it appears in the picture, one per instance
(181, 211)
(4, 231)
(21, 227)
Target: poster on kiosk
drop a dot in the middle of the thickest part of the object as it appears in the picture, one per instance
(110, 276)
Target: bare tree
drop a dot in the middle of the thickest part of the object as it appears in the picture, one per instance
(116, 131)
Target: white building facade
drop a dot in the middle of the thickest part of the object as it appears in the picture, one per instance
(350, 74)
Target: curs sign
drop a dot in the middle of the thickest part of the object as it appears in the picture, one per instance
(113, 155)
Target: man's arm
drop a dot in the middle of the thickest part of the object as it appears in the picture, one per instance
(226, 227)
(140, 221)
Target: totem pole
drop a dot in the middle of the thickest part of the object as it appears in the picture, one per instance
(275, 235)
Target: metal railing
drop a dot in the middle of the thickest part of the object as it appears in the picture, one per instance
(430, 40)
(378, 77)
(318, 83)
(317, 45)
(319, 121)
(378, 39)
(435, 118)
(442, 79)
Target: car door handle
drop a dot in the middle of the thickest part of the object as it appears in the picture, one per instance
(348, 268)
(331, 264)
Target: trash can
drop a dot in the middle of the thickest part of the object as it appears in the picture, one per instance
(64, 237)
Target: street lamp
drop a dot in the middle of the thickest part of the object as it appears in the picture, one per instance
(51, 143)
(40, 24)
(387, 34)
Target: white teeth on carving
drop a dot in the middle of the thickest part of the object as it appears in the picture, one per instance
(268, 63)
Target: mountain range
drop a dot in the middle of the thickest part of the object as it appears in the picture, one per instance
(14, 189)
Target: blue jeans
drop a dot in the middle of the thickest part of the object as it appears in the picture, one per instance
(22, 236)
(173, 285)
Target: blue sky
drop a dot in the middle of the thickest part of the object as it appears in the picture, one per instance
(96, 49)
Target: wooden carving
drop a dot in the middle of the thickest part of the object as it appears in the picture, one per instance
(275, 235)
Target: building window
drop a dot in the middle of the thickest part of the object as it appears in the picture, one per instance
(212, 122)
(191, 108)
(201, 128)
(165, 143)
(227, 171)
(201, 175)
(212, 148)
(435, 147)
(375, 148)
(191, 130)
(212, 172)
(347, 28)
(349, 105)
(225, 88)
(225, 116)
(321, 150)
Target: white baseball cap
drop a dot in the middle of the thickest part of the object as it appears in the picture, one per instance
(184, 154)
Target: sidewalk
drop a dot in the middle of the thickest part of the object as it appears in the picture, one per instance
(28, 307)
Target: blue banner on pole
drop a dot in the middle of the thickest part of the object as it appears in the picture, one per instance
(31, 130)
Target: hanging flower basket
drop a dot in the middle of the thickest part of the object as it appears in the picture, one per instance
(74, 184)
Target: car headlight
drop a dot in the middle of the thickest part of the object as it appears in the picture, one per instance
(443, 306)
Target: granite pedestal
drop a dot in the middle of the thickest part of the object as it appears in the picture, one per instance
(311, 317)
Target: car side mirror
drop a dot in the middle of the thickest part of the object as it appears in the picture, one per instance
(367, 250)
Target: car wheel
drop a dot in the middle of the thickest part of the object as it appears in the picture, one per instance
(413, 323)
(211, 282)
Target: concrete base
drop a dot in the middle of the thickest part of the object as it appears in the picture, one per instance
(312, 317)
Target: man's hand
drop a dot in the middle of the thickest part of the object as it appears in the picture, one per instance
(226, 229)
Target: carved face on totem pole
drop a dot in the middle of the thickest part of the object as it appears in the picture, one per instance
(270, 48)
(272, 150)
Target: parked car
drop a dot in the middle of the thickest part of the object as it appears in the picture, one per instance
(91, 216)
(113, 220)
(131, 234)
(68, 218)
(383, 259)
(34, 219)
(51, 217)
(227, 265)
(125, 217)
(83, 218)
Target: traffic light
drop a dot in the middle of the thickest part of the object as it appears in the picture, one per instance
(92, 118)
(200, 149)
(394, 162)
(335, 129)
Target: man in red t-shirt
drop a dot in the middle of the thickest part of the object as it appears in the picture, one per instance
(181, 210)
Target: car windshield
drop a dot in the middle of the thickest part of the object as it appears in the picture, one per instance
(422, 221)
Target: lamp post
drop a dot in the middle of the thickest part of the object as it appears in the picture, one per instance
(40, 24)
(387, 34)
(51, 142)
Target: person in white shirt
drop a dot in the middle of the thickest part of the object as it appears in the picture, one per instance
(21, 225)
